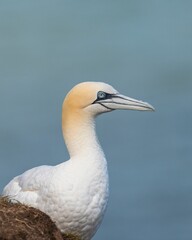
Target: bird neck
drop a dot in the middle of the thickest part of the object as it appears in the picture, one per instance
(79, 133)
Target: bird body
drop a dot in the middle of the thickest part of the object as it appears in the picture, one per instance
(75, 193)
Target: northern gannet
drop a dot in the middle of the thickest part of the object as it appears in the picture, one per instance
(75, 193)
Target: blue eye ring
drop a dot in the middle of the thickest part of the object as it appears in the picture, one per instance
(101, 95)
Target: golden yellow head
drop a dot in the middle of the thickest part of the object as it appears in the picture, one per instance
(85, 93)
(97, 97)
(83, 103)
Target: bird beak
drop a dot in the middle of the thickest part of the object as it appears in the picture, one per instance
(118, 101)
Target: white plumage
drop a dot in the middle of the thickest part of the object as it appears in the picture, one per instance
(75, 193)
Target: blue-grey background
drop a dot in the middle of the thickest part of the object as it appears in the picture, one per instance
(143, 49)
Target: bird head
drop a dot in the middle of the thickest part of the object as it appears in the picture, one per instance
(96, 97)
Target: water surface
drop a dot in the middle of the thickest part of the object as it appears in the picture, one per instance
(142, 48)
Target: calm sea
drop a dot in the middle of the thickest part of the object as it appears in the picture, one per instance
(143, 49)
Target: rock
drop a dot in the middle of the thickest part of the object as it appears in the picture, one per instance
(20, 222)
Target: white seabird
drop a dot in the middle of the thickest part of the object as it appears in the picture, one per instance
(75, 193)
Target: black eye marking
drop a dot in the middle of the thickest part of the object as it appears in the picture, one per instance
(103, 96)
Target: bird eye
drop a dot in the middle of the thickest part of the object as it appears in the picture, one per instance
(101, 95)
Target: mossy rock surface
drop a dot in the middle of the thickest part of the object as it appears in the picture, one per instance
(21, 222)
(70, 237)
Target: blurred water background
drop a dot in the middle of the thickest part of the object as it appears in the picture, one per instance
(143, 49)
